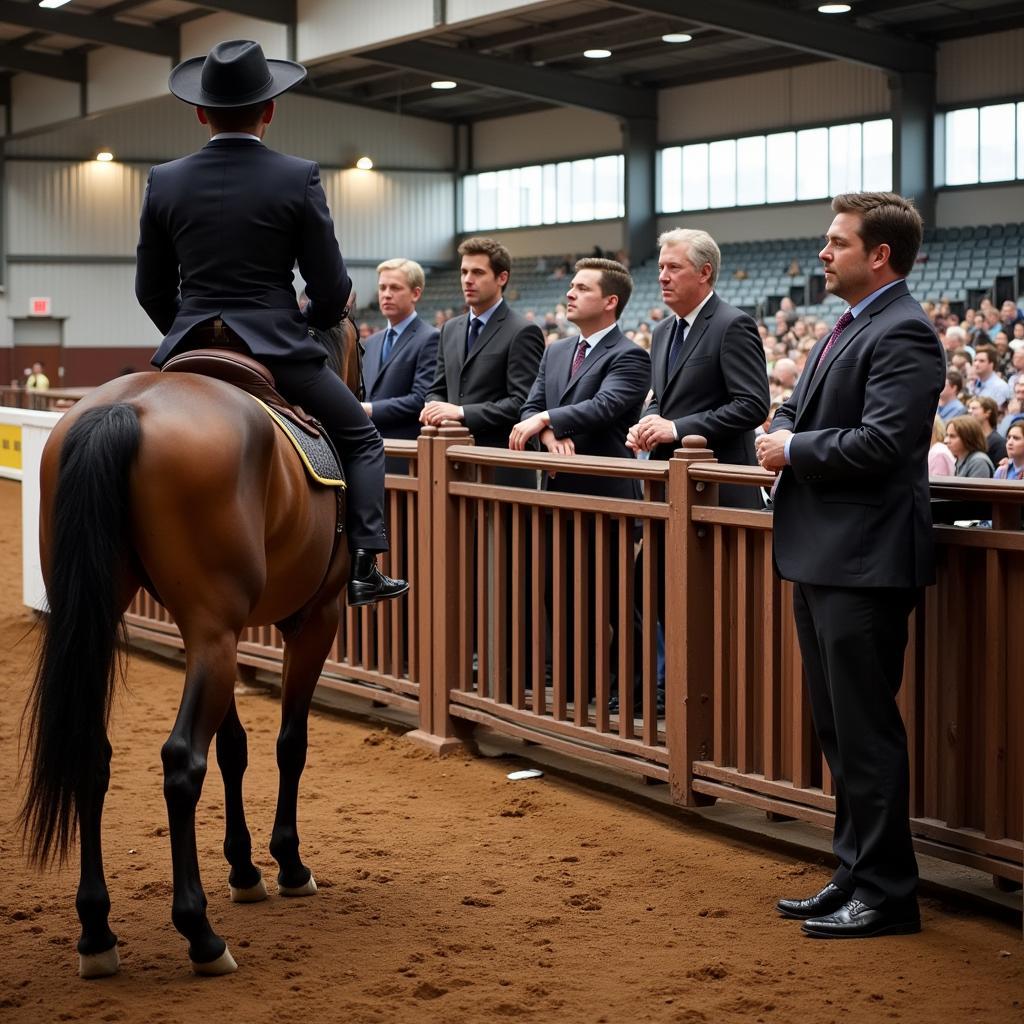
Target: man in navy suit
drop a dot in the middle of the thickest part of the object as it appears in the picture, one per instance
(398, 362)
(588, 392)
(220, 233)
(853, 531)
(707, 364)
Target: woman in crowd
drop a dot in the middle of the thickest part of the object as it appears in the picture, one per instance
(967, 443)
(1013, 469)
(940, 458)
(986, 412)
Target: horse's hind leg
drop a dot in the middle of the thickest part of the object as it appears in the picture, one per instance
(97, 948)
(245, 880)
(306, 649)
(209, 689)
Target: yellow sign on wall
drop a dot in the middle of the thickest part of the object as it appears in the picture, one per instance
(10, 446)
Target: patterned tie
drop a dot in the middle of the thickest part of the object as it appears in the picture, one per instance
(475, 327)
(675, 346)
(389, 341)
(841, 324)
(577, 360)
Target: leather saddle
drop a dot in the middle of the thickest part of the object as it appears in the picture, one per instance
(240, 369)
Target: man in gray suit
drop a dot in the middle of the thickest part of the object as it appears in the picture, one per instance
(398, 362)
(707, 362)
(487, 359)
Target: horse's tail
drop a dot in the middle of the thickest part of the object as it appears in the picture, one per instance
(69, 705)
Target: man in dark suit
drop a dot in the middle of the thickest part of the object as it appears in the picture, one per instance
(487, 359)
(220, 233)
(588, 391)
(707, 363)
(398, 362)
(853, 531)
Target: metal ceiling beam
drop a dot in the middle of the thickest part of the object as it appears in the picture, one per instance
(68, 67)
(161, 41)
(992, 19)
(356, 101)
(280, 11)
(741, 64)
(513, 77)
(354, 76)
(625, 44)
(884, 51)
(551, 30)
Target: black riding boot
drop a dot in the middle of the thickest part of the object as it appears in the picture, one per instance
(368, 584)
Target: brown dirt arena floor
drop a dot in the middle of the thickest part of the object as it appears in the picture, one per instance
(449, 893)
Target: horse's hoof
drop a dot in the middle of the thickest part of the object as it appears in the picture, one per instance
(99, 965)
(253, 894)
(224, 964)
(298, 890)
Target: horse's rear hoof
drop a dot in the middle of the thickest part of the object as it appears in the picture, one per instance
(298, 890)
(253, 894)
(224, 964)
(99, 965)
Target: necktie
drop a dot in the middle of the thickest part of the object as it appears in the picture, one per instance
(676, 344)
(389, 341)
(475, 326)
(577, 360)
(841, 324)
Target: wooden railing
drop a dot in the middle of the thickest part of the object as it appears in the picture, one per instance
(41, 401)
(522, 616)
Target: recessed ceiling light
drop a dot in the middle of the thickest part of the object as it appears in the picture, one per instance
(833, 8)
(443, 85)
(676, 37)
(53, 3)
(104, 156)
(364, 163)
(597, 54)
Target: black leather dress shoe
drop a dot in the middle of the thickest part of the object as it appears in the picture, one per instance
(856, 920)
(368, 584)
(659, 704)
(829, 900)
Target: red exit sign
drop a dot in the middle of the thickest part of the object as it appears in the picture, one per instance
(39, 306)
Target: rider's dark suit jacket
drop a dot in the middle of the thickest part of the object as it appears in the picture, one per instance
(220, 234)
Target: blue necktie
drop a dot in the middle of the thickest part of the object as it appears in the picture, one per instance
(676, 345)
(389, 341)
(475, 326)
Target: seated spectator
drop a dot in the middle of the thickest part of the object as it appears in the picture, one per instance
(1004, 357)
(1013, 467)
(953, 338)
(642, 336)
(821, 330)
(967, 443)
(793, 270)
(739, 274)
(962, 360)
(1015, 407)
(986, 412)
(656, 313)
(940, 458)
(784, 377)
(986, 381)
(1010, 314)
(949, 397)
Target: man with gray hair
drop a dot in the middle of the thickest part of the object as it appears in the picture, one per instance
(398, 362)
(707, 365)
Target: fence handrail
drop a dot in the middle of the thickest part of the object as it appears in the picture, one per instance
(589, 465)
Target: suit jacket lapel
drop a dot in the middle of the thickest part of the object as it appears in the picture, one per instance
(695, 333)
(371, 363)
(456, 341)
(601, 352)
(489, 331)
(661, 341)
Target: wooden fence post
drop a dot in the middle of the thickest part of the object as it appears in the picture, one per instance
(437, 604)
(689, 622)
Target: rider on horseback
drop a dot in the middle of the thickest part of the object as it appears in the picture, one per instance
(221, 231)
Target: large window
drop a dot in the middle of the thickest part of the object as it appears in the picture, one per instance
(573, 190)
(814, 163)
(983, 144)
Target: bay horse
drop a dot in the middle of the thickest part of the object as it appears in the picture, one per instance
(183, 485)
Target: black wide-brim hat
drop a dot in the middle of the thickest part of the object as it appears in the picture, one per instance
(233, 74)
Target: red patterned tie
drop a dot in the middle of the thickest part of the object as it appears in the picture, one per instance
(577, 360)
(841, 324)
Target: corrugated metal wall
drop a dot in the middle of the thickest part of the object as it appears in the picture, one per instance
(808, 95)
(981, 68)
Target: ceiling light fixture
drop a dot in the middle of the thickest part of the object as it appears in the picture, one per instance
(104, 156)
(597, 54)
(833, 8)
(443, 85)
(364, 163)
(53, 3)
(677, 37)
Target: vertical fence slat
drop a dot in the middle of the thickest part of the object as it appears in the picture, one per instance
(499, 604)
(518, 609)
(602, 617)
(626, 576)
(482, 625)
(537, 609)
(580, 626)
(558, 623)
(994, 690)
